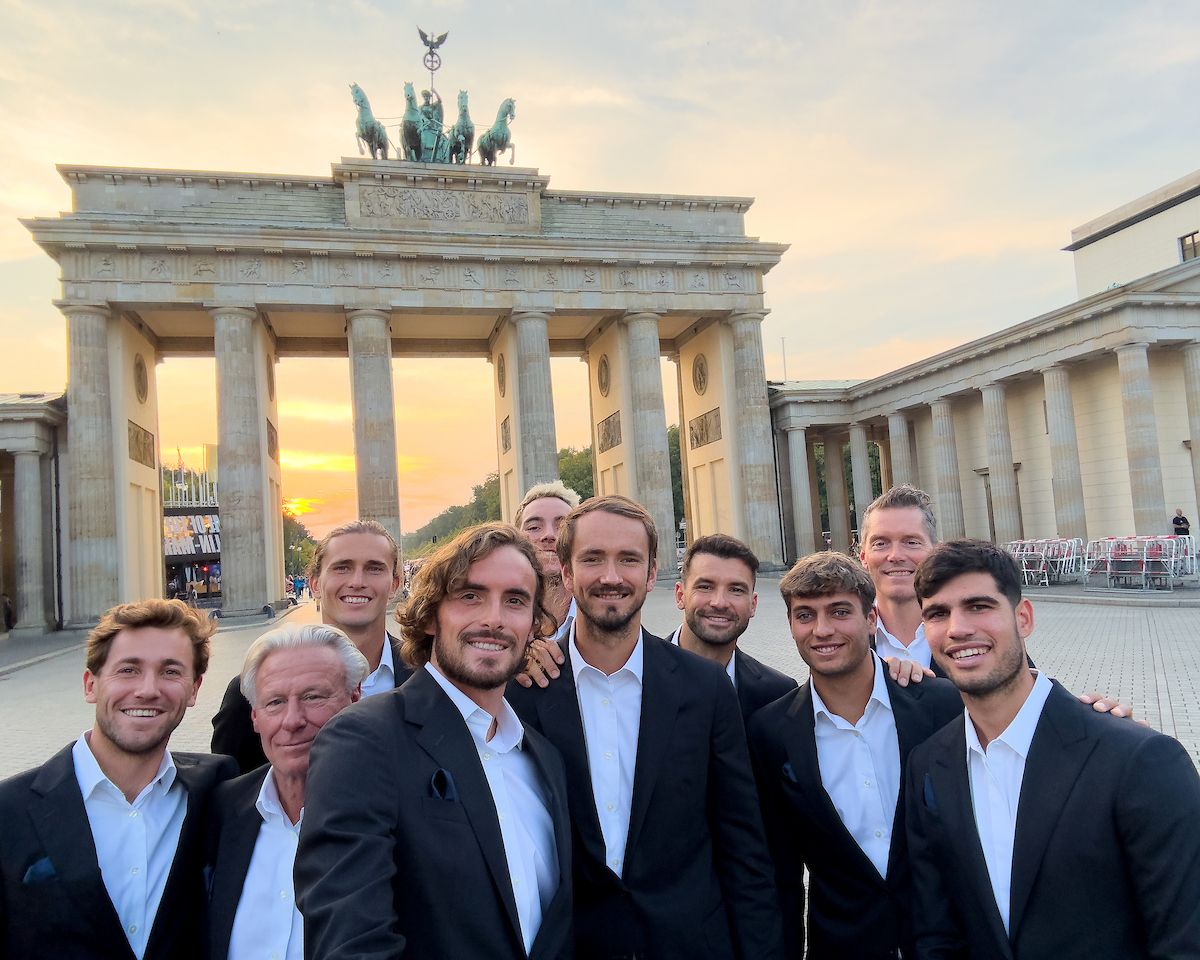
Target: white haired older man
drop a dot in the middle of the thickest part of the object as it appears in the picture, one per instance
(295, 678)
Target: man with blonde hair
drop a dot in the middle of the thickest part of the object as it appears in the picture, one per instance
(296, 678)
(436, 823)
(539, 517)
(100, 850)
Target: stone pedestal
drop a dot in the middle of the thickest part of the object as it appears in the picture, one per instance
(1141, 441)
(370, 343)
(1002, 477)
(835, 496)
(802, 518)
(860, 472)
(949, 489)
(535, 398)
(901, 449)
(30, 597)
(1065, 476)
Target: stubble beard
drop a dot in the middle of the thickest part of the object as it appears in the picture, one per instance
(453, 667)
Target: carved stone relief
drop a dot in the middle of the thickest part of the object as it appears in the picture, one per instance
(416, 204)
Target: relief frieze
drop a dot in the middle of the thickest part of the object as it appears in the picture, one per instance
(408, 203)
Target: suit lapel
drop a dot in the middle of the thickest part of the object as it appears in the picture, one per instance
(746, 675)
(1059, 749)
(660, 704)
(239, 833)
(559, 812)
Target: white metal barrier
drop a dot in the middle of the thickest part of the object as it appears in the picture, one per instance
(1140, 563)
(1048, 560)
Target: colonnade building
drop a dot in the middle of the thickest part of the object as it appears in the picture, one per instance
(1083, 422)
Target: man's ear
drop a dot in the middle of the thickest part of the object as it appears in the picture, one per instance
(679, 595)
(1024, 618)
(89, 686)
(651, 575)
(195, 690)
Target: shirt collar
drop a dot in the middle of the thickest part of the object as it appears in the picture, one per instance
(882, 632)
(269, 806)
(879, 695)
(633, 665)
(730, 668)
(1018, 735)
(564, 628)
(90, 776)
(385, 658)
(509, 732)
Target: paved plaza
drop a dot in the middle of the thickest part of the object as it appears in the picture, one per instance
(1148, 656)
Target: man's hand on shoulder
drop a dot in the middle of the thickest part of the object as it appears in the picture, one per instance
(905, 672)
(1103, 704)
(542, 660)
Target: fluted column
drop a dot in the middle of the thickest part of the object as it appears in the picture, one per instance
(949, 489)
(885, 465)
(835, 496)
(535, 400)
(1006, 510)
(802, 518)
(1191, 386)
(1141, 440)
(370, 341)
(901, 449)
(860, 472)
(815, 496)
(1066, 480)
(241, 462)
(30, 598)
(92, 485)
(685, 470)
(752, 426)
(649, 419)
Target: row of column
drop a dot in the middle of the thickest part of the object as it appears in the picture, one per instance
(25, 514)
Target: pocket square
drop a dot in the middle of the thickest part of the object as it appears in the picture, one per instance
(930, 799)
(442, 785)
(39, 872)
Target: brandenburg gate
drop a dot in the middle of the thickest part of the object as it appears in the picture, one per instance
(397, 259)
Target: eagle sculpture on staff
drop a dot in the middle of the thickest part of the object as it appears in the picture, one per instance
(433, 59)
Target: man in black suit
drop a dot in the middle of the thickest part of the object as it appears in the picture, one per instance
(436, 824)
(354, 573)
(716, 594)
(828, 762)
(101, 846)
(297, 677)
(1037, 827)
(670, 858)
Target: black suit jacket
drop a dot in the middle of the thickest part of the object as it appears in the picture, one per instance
(852, 910)
(234, 823)
(697, 877)
(401, 853)
(758, 684)
(1106, 860)
(233, 728)
(53, 902)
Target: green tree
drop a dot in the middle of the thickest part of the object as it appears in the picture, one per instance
(575, 469)
(676, 471)
(298, 545)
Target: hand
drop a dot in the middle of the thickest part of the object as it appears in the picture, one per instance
(541, 663)
(1103, 704)
(905, 672)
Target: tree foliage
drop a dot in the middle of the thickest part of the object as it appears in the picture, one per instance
(298, 545)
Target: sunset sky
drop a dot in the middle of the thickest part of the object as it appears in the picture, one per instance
(925, 159)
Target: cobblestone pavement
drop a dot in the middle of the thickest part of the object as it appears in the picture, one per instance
(1148, 657)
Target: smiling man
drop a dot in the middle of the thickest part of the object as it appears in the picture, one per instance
(100, 847)
(436, 824)
(1037, 827)
(297, 678)
(539, 516)
(354, 573)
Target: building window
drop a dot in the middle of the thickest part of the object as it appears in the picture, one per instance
(1189, 246)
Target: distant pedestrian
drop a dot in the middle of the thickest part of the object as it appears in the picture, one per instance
(1179, 524)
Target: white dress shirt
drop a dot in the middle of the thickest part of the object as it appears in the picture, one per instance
(383, 677)
(886, 644)
(522, 806)
(860, 769)
(135, 842)
(729, 667)
(995, 773)
(611, 710)
(564, 628)
(267, 925)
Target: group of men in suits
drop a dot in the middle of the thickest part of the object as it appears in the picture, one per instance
(610, 806)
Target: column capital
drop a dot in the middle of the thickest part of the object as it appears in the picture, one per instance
(521, 313)
(744, 316)
(630, 315)
(940, 404)
(1191, 347)
(383, 313)
(83, 308)
(793, 427)
(1137, 346)
(245, 310)
(994, 389)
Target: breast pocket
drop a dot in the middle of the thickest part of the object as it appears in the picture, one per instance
(446, 810)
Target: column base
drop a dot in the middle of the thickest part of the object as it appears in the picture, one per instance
(25, 632)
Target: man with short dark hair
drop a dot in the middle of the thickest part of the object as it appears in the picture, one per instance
(1037, 827)
(716, 594)
(354, 573)
(670, 859)
(296, 677)
(828, 762)
(100, 849)
(435, 823)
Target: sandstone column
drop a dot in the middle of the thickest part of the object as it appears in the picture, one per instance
(885, 465)
(945, 454)
(901, 449)
(860, 472)
(752, 428)
(535, 398)
(369, 335)
(30, 598)
(802, 518)
(815, 494)
(242, 462)
(649, 420)
(835, 496)
(1065, 478)
(1191, 386)
(685, 471)
(91, 478)
(1141, 441)
(1006, 510)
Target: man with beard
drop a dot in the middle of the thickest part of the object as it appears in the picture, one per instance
(670, 859)
(1037, 827)
(716, 594)
(435, 823)
(354, 573)
(100, 849)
